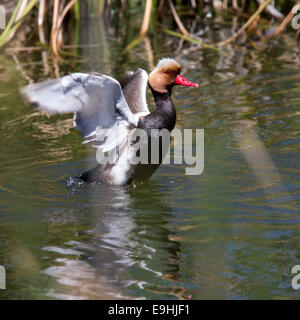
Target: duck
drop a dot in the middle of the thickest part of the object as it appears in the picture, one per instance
(108, 113)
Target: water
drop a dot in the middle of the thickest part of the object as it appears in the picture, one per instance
(231, 233)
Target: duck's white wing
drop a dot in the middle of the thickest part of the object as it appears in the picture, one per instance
(134, 89)
(98, 103)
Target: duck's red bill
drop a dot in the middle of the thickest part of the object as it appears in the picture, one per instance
(183, 82)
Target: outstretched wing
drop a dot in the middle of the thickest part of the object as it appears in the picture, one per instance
(134, 89)
(97, 101)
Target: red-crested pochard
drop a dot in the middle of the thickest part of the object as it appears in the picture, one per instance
(103, 107)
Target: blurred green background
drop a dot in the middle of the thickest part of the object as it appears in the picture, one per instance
(231, 233)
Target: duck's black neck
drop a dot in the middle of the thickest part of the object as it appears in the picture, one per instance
(158, 96)
(163, 102)
(164, 116)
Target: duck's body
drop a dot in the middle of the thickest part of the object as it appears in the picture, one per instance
(109, 114)
(163, 117)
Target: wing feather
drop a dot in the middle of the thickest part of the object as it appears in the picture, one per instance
(101, 112)
(135, 91)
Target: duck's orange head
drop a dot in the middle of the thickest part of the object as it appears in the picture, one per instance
(166, 74)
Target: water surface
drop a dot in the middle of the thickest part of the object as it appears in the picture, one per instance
(231, 233)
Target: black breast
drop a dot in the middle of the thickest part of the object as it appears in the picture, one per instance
(163, 117)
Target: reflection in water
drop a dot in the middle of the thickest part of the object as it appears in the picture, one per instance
(123, 242)
(259, 159)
